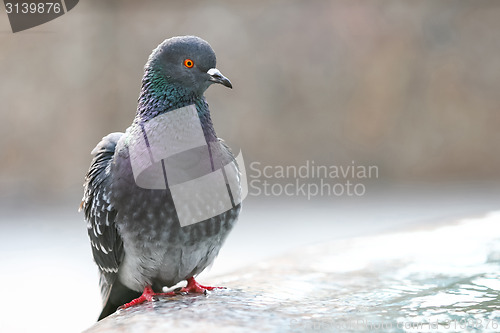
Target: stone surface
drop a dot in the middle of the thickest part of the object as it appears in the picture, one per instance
(448, 275)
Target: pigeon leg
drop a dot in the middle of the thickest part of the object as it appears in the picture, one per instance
(147, 295)
(195, 287)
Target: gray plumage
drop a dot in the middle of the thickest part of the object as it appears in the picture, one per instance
(135, 234)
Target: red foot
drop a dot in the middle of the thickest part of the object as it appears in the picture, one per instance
(147, 295)
(195, 287)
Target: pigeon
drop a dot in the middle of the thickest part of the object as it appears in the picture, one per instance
(137, 235)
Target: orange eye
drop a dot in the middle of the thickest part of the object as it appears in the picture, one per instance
(188, 63)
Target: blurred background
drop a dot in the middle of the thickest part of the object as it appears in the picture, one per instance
(409, 87)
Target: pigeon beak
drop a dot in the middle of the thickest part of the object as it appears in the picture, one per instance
(217, 77)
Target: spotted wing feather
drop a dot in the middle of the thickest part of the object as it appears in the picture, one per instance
(107, 245)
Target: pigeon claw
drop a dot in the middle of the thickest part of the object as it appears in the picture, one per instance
(194, 287)
(148, 295)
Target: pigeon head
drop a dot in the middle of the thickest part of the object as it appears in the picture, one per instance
(186, 63)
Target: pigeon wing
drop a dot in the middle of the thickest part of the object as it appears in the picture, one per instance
(100, 214)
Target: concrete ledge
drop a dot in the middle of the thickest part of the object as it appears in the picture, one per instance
(249, 304)
(379, 283)
(273, 296)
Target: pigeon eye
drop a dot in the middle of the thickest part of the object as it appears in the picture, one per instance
(188, 63)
